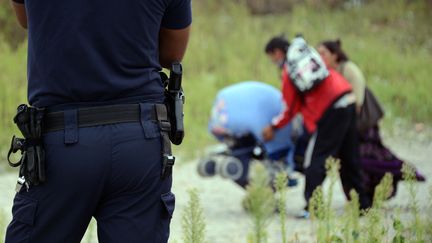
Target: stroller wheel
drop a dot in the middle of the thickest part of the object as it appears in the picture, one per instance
(230, 168)
(207, 167)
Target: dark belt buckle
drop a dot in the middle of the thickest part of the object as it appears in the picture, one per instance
(168, 162)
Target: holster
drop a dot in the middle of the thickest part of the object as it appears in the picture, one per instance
(32, 162)
(170, 116)
(174, 99)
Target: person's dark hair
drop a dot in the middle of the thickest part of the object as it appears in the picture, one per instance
(277, 42)
(335, 47)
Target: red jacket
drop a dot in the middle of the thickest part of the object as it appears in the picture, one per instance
(313, 103)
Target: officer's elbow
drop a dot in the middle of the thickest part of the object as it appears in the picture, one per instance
(23, 24)
(172, 45)
(20, 13)
(166, 63)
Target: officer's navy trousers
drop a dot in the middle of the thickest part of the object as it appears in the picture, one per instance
(110, 172)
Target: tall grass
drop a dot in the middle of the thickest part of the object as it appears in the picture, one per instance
(320, 205)
(391, 47)
(2, 224)
(429, 212)
(389, 40)
(417, 226)
(90, 234)
(12, 90)
(376, 225)
(281, 183)
(193, 222)
(351, 219)
(259, 203)
(399, 228)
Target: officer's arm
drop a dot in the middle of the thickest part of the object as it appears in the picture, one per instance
(174, 32)
(172, 45)
(20, 12)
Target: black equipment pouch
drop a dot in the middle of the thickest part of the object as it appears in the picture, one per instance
(175, 99)
(29, 121)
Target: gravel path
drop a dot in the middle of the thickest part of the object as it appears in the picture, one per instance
(221, 199)
(227, 222)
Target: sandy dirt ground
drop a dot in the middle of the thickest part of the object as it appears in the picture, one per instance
(226, 221)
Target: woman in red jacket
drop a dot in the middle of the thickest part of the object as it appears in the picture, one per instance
(328, 109)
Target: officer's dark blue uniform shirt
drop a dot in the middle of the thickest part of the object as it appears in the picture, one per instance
(98, 51)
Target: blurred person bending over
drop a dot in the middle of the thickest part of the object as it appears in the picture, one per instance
(237, 120)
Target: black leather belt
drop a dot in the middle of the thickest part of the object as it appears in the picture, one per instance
(96, 116)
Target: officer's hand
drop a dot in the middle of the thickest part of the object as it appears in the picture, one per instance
(268, 133)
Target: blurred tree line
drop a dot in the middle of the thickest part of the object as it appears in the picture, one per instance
(13, 35)
(281, 6)
(411, 16)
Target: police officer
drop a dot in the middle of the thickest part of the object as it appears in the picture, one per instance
(94, 66)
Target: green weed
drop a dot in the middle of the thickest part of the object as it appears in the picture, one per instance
(259, 202)
(392, 47)
(90, 234)
(193, 222)
(320, 206)
(375, 227)
(417, 230)
(351, 219)
(281, 187)
(3, 224)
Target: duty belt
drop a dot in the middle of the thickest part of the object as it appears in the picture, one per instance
(32, 162)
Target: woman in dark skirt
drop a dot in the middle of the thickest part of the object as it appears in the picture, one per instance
(375, 158)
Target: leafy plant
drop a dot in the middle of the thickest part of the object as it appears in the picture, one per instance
(417, 227)
(193, 222)
(90, 235)
(351, 219)
(2, 224)
(281, 187)
(259, 202)
(320, 205)
(374, 227)
(399, 228)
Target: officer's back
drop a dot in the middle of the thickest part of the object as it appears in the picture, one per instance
(98, 51)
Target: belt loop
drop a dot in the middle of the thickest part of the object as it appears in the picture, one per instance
(146, 111)
(71, 126)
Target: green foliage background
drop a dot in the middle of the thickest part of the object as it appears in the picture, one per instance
(389, 40)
